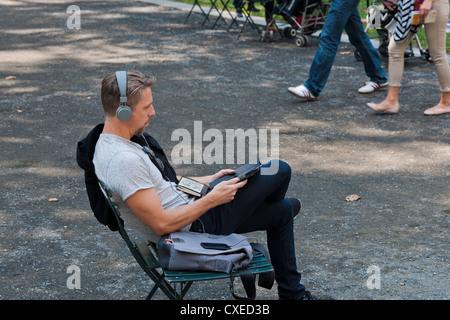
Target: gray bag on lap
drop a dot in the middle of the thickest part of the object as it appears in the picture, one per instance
(192, 251)
(183, 250)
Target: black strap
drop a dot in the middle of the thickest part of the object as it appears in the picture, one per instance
(145, 140)
(248, 281)
(265, 280)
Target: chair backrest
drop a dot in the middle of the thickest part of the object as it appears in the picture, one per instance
(139, 248)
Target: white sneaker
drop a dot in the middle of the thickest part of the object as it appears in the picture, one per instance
(370, 87)
(302, 92)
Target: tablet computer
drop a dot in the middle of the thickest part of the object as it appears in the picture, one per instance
(244, 172)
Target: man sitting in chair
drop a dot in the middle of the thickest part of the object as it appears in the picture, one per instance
(151, 204)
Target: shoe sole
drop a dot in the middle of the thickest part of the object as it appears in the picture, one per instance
(435, 113)
(391, 110)
(301, 205)
(301, 97)
(375, 89)
(292, 200)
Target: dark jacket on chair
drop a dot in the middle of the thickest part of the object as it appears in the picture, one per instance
(85, 155)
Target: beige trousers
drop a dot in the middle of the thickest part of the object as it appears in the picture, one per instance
(436, 37)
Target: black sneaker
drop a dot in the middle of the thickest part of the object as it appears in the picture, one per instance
(296, 205)
(308, 296)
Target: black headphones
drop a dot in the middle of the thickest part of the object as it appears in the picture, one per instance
(124, 112)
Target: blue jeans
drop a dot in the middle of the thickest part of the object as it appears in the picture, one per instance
(260, 205)
(343, 15)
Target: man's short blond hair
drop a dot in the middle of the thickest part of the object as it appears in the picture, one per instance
(136, 82)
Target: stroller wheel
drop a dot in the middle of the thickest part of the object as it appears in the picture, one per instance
(263, 36)
(289, 32)
(306, 38)
(292, 33)
(300, 41)
(427, 56)
(267, 36)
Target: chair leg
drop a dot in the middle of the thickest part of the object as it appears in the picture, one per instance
(152, 292)
(249, 20)
(181, 289)
(170, 291)
(220, 12)
(161, 283)
(184, 290)
(196, 3)
(207, 16)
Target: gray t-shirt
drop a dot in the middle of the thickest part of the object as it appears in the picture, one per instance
(126, 169)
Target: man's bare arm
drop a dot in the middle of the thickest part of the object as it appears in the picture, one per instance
(147, 206)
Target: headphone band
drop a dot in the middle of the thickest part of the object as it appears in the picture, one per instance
(123, 112)
(121, 77)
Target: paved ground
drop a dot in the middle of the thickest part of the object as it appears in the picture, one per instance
(398, 165)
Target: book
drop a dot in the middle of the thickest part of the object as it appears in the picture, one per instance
(431, 17)
(192, 187)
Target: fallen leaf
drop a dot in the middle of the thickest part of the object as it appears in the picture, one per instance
(10, 77)
(352, 197)
(345, 52)
(53, 200)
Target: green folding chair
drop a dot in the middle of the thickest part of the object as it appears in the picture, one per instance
(174, 284)
(196, 3)
(247, 19)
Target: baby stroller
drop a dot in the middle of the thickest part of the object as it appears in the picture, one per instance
(303, 17)
(379, 18)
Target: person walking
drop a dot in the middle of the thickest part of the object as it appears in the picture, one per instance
(436, 37)
(343, 15)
